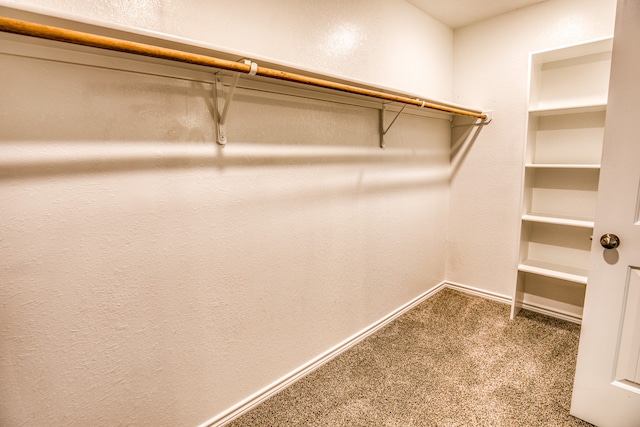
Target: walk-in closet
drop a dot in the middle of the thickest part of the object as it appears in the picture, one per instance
(363, 212)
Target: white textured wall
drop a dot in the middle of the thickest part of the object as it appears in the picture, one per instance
(491, 69)
(149, 278)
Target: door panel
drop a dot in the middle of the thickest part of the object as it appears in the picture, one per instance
(628, 366)
(606, 390)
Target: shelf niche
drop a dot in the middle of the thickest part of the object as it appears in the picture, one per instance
(570, 77)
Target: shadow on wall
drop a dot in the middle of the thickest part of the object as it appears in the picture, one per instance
(81, 158)
(464, 134)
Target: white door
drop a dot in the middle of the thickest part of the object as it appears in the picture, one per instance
(607, 384)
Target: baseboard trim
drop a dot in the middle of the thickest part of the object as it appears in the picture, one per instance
(547, 311)
(552, 313)
(477, 292)
(257, 398)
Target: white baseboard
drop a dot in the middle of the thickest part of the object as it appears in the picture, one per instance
(477, 292)
(257, 398)
(548, 311)
(563, 315)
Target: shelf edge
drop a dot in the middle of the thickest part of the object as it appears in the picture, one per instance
(555, 274)
(569, 109)
(558, 220)
(562, 166)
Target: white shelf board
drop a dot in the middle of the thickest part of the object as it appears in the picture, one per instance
(603, 44)
(559, 220)
(562, 272)
(562, 166)
(568, 109)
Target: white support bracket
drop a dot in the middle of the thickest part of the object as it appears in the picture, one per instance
(488, 113)
(384, 131)
(222, 111)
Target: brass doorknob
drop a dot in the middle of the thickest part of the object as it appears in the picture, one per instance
(609, 241)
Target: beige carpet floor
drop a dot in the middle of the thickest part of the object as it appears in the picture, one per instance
(454, 360)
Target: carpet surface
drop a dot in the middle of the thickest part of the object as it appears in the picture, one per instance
(454, 360)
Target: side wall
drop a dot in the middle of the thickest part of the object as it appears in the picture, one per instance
(149, 277)
(491, 67)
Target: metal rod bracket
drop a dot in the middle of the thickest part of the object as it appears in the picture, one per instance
(384, 131)
(222, 111)
(482, 122)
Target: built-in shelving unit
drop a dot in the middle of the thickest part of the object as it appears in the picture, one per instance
(565, 128)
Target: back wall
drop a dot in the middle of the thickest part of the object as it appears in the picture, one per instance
(151, 277)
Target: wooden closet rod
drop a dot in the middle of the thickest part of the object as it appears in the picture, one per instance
(32, 29)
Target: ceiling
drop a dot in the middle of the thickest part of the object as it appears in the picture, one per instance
(458, 13)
